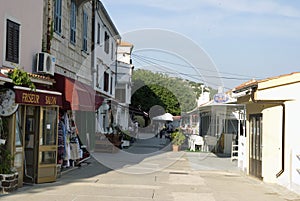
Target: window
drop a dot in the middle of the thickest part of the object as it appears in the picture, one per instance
(106, 42)
(98, 34)
(121, 95)
(85, 31)
(57, 16)
(112, 51)
(97, 76)
(111, 85)
(106, 81)
(12, 41)
(73, 22)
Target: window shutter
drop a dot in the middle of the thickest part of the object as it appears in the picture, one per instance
(12, 41)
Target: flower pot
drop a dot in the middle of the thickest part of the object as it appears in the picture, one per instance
(175, 147)
(8, 182)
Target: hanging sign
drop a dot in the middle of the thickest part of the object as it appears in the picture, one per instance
(221, 98)
(8, 105)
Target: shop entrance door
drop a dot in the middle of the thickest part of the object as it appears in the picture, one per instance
(256, 145)
(47, 149)
(30, 146)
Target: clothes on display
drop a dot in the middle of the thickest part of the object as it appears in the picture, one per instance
(70, 151)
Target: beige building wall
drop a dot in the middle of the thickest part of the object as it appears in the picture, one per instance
(280, 89)
(71, 61)
(271, 142)
(271, 138)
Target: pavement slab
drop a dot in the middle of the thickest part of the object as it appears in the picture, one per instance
(160, 175)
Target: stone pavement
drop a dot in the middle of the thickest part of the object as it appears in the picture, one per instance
(148, 170)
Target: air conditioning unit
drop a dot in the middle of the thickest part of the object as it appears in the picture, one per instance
(45, 63)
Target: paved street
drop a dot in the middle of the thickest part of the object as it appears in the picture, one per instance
(149, 170)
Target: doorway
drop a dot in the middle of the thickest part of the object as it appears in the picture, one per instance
(256, 145)
(40, 144)
(32, 116)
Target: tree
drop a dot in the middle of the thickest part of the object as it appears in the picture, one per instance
(173, 94)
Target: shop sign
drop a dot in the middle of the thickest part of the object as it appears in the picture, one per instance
(221, 98)
(37, 98)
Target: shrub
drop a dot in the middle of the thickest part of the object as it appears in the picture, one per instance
(5, 160)
(178, 137)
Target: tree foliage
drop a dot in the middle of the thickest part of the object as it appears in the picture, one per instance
(173, 94)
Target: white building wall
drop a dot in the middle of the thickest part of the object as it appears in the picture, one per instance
(22, 13)
(204, 98)
(242, 151)
(104, 61)
(291, 176)
(124, 54)
(286, 92)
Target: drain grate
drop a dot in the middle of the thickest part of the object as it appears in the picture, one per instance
(185, 173)
(271, 193)
(231, 175)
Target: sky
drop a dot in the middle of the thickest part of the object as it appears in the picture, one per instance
(244, 39)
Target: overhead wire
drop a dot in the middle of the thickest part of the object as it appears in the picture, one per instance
(163, 67)
(193, 76)
(190, 66)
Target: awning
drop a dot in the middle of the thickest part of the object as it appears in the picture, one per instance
(4, 78)
(164, 117)
(77, 95)
(25, 95)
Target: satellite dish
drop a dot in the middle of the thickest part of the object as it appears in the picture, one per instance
(8, 105)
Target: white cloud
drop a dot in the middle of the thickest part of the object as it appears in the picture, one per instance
(255, 7)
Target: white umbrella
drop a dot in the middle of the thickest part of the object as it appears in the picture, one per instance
(164, 117)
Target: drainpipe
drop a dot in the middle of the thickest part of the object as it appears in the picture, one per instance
(282, 141)
(93, 46)
(49, 27)
(282, 130)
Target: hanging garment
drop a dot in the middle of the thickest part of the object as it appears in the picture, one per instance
(67, 121)
(74, 149)
(68, 149)
(60, 143)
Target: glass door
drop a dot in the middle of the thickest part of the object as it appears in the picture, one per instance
(30, 145)
(47, 150)
(256, 145)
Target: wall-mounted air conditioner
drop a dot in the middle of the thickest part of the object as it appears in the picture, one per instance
(45, 63)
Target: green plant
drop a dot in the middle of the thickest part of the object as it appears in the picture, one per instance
(5, 160)
(126, 135)
(21, 78)
(178, 137)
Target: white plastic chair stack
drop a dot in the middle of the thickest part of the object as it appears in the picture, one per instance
(195, 140)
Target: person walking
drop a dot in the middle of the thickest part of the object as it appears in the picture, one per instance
(136, 130)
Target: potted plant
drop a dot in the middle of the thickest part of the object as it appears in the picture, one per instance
(5, 160)
(178, 139)
(8, 177)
